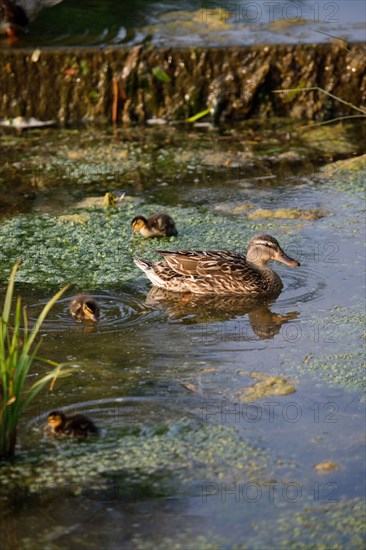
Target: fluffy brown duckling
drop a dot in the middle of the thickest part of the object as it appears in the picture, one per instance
(84, 308)
(76, 425)
(12, 17)
(159, 225)
(15, 15)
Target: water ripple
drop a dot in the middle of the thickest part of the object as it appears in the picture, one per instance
(116, 311)
(301, 285)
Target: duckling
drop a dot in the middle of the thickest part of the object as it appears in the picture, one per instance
(112, 199)
(76, 425)
(84, 308)
(16, 14)
(159, 225)
(12, 17)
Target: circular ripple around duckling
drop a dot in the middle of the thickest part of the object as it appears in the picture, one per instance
(117, 311)
(120, 412)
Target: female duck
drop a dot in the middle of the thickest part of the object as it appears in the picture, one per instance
(220, 271)
(159, 225)
(84, 308)
(76, 425)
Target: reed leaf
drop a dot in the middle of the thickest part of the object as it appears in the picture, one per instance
(9, 292)
(43, 316)
(18, 351)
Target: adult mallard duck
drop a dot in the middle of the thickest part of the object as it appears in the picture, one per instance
(84, 308)
(220, 271)
(76, 425)
(159, 225)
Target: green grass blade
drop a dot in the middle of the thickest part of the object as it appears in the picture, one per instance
(42, 317)
(198, 116)
(9, 292)
(37, 386)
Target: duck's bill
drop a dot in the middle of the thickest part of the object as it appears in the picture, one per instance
(91, 317)
(282, 257)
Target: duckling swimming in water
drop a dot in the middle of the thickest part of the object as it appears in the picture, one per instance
(159, 225)
(76, 425)
(84, 308)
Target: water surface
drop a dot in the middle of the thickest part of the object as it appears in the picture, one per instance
(163, 376)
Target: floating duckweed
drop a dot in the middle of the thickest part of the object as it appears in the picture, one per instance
(94, 247)
(212, 449)
(326, 467)
(268, 386)
(288, 213)
(347, 369)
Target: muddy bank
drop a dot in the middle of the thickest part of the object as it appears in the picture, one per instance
(134, 85)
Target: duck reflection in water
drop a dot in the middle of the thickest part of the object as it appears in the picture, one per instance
(191, 308)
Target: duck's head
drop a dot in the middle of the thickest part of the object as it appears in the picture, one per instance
(138, 223)
(55, 419)
(85, 308)
(263, 248)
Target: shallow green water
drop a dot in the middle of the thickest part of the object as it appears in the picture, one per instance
(183, 459)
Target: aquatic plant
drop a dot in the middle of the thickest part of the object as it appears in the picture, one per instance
(18, 350)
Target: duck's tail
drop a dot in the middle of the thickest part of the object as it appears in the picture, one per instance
(151, 273)
(144, 265)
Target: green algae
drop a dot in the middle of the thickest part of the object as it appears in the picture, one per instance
(162, 457)
(345, 369)
(326, 467)
(95, 247)
(188, 540)
(346, 176)
(288, 213)
(268, 386)
(352, 164)
(337, 525)
(328, 139)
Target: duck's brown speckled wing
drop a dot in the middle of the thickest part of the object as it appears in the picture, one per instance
(163, 270)
(203, 263)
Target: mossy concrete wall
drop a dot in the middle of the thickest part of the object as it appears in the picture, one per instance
(71, 85)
